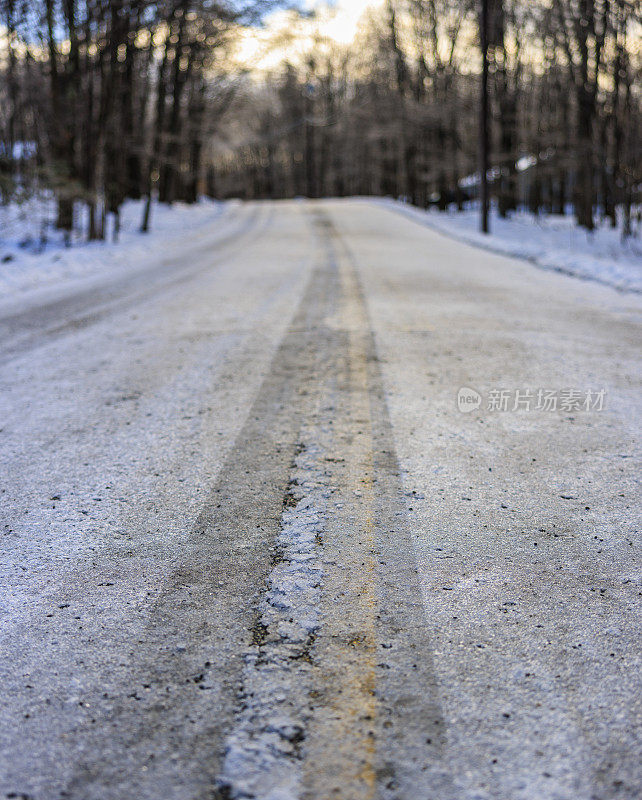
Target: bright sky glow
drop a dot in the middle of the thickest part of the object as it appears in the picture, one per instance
(285, 34)
(342, 19)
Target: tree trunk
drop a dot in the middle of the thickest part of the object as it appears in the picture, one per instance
(584, 190)
(159, 118)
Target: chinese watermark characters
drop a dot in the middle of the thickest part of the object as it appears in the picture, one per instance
(543, 400)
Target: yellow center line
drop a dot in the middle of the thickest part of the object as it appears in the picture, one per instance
(358, 702)
(340, 761)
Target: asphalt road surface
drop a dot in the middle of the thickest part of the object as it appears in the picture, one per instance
(252, 547)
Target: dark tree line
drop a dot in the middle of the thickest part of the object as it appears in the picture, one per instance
(106, 100)
(396, 113)
(103, 101)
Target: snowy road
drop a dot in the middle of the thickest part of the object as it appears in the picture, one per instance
(252, 547)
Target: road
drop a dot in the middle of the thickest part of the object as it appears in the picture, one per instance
(253, 548)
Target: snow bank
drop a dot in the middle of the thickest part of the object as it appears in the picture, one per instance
(33, 254)
(550, 241)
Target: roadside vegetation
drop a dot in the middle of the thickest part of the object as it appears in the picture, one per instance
(101, 102)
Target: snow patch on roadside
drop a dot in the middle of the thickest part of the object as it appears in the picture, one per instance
(262, 756)
(32, 254)
(551, 242)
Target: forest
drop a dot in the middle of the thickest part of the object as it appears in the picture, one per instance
(101, 102)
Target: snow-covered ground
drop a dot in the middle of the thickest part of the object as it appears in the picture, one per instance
(550, 241)
(33, 253)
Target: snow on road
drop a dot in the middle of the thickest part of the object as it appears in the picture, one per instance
(550, 241)
(238, 464)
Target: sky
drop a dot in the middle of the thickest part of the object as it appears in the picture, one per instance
(337, 20)
(343, 17)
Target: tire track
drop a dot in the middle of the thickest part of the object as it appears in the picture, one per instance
(175, 696)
